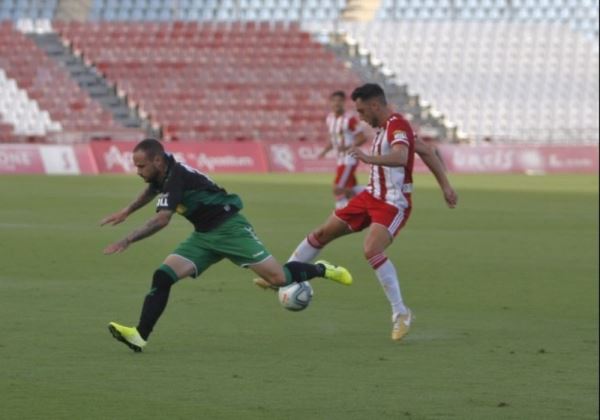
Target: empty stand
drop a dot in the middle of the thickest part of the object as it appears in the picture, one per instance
(27, 9)
(216, 10)
(50, 87)
(535, 82)
(581, 15)
(21, 112)
(218, 81)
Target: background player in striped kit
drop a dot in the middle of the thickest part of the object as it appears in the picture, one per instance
(385, 205)
(345, 131)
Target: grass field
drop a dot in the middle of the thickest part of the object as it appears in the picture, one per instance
(505, 289)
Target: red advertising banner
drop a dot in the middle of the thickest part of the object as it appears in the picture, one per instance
(85, 159)
(20, 159)
(304, 157)
(46, 159)
(116, 157)
(521, 159)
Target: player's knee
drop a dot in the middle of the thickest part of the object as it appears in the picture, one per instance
(376, 258)
(276, 278)
(321, 237)
(371, 252)
(162, 279)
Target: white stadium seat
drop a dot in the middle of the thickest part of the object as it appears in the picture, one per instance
(22, 112)
(535, 82)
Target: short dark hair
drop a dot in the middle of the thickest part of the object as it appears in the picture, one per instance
(338, 94)
(369, 91)
(151, 147)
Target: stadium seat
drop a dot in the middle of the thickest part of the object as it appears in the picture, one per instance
(528, 82)
(213, 10)
(217, 81)
(41, 96)
(580, 15)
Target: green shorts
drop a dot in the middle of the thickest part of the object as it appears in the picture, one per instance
(234, 239)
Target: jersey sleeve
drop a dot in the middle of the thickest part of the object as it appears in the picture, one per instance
(399, 132)
(172, 194)
(354, 125)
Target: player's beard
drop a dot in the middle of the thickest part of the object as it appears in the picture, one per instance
(153, 177)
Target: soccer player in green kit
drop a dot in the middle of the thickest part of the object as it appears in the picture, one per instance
(220, 231)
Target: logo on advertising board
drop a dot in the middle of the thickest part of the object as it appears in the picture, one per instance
(11, 159)
(283, 156)
(310, 152)
(476, 160)
(114, 157)
(571, 163)
(204, 161)
(59, 160)
(531, 160)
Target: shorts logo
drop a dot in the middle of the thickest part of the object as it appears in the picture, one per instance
(258, 254)
(253, 234)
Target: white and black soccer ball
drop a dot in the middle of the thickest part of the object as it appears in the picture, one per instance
(296, 297)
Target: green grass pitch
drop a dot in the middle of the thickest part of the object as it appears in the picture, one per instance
(505, 289)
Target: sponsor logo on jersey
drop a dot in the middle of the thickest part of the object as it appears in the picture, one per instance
(163, 200)
(400, 135)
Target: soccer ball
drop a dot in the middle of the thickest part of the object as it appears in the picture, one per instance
(296, 297)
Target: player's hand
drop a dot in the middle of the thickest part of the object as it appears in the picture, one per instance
(450, 196)
(115, 218)
(117, 247)
(356, 153)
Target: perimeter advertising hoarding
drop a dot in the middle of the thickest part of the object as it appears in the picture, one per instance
(116, 157)
(215, 157)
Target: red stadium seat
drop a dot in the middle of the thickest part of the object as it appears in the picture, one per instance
(217, 80)
(49, 84)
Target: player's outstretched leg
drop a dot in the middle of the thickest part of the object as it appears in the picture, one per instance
(154, 304)
(273, 275)
(311, 246)
(308, 249)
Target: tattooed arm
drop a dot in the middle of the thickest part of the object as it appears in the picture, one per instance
(144, 198)
(159, 221)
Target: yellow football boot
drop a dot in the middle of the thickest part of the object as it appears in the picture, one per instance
(336, 273)
(128, 336)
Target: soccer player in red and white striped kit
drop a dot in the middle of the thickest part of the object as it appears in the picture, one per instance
(385, 206)
(345, 132)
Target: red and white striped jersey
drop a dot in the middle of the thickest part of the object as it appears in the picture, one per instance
(342, 131)
(393, 185)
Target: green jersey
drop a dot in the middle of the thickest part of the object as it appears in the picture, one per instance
(195, 196)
